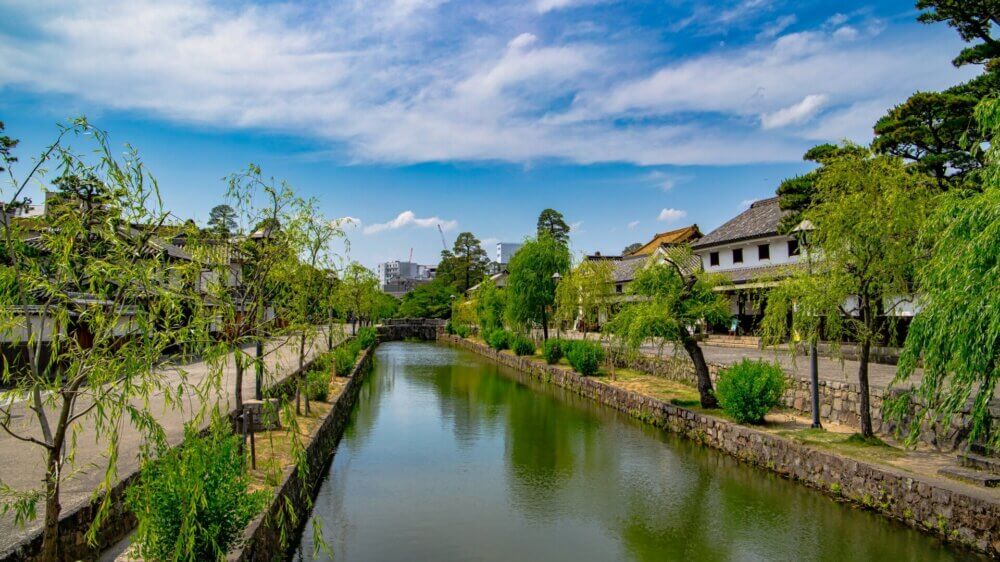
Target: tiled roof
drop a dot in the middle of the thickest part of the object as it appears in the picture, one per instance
(669, 238)
(761, 219)
(760, 274)
(627, 267)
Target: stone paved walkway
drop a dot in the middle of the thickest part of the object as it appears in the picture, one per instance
(22, 464)
(879, 375)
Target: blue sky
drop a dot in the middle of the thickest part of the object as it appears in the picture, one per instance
(629, 117)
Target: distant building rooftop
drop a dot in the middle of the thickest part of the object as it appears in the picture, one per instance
(758, 221)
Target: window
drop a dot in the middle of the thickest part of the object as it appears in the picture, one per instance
(793, 247)
(738, 255)
(764, 252)
(618, 288)
(713, 258)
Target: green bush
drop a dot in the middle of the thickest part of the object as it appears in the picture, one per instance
(749, 389)
(499, 339)
(552, 349)
(462, 331)
(522, 345)
(343, 359)
(194, 501)
(318, 385)
(585, 357)
(449, 328)
(366, 337)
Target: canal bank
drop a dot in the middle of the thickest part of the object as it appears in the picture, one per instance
(964, 517)
(452, 456)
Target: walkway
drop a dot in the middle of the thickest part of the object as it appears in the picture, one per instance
(22, 464)
(879, 374)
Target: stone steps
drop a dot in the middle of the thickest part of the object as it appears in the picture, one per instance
(980, 462)
(974, 477)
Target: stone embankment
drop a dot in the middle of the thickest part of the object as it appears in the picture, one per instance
(949, 512)
(263, 538)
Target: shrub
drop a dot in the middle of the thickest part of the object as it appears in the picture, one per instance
(552, 349)
(585, 357)
(462, 331)
(343, 359)
(366, 337)
(449, 328)
(318, 385)
(749, 389)
(522, 345)
(194, 501)
(499, 339)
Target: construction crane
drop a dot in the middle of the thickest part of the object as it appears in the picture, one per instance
(411, 256)
(444, 245)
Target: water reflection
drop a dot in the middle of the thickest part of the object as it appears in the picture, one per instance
(449, 459)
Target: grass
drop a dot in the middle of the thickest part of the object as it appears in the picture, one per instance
(274, 448)
(852, 445)
(671, 391)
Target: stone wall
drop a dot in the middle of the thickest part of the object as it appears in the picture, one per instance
(838, 401)
(119, 522)
(262, 539)
(915, 500)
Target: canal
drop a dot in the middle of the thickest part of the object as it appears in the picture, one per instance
(449, 458)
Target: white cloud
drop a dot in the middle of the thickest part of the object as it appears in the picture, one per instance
(365, 77)
(409, 218)
(348, 222)
(846, 33)
(793, 114)
(671, 215)
(545, 6)
(575, 226)
(632, 225)
(777, 26)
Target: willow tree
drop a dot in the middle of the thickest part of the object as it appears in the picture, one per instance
(247, 274)
(956, 335)
(531, 283)
(867, 215)
(489, 304)
(358, 292)
(586, 293)
(91, 301)
(670, 299)
(310, 235)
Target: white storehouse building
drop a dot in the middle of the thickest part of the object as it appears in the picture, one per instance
(752, 255)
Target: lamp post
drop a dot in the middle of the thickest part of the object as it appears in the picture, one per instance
(803, 232)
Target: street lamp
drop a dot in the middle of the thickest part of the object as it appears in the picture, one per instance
(803, 232)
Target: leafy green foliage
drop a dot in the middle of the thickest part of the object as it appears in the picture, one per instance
(631, 248)
(194, 501)
(522, 345)
(868, 213)
(937, 132)
(470, 261)
(222, 219)
(498, 339)
(490, 304)
(585, 356)
(430, 300)
(462, 331)
(552, 224)
(795, 195)
(345, 356)
(974, 20)
(585, 293)
(552, 350)
(530, 287)
(749, 389)
(367, 337)
(957, 333)
(318, 384)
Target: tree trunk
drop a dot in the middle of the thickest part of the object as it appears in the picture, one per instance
(865, 404)
(302, 362)
(329, 337)
(705, 391)
(239, 380)
(545, 326)
(50, 538)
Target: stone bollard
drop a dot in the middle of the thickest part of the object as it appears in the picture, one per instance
(263, 414)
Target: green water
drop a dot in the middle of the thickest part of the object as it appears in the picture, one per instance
(447, 458)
